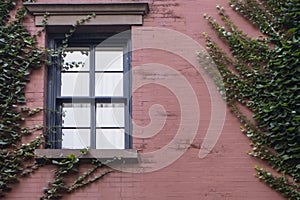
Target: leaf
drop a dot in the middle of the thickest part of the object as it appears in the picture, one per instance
(4, 142)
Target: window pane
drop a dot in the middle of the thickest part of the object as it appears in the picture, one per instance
(110, 139)
(76, 115)
(110, 115)
(109, 59)
(74, 84)
(75, 138)
(76, 59)
(109, 84)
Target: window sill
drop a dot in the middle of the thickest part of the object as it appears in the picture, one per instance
(124, 156)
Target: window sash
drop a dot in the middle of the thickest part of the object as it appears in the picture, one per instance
(54, 120)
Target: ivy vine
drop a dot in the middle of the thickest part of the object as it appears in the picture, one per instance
(264, 79)
(19, 56)
(69, 166)
(263, 75)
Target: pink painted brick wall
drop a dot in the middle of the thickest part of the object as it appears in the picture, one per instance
(225, 173)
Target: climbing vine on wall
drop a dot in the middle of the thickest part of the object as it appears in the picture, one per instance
(19, 56)
(263, 75)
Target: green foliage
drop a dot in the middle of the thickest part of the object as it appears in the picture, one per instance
(69, 166)
(19, 55)
(281, 184)
(263, 74)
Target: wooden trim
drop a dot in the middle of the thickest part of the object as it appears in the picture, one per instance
(106, 13)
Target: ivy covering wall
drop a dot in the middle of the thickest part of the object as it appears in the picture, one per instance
(263, 75)
(19, 56)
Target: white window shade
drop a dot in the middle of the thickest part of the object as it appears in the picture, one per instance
(75, 139)
(109, 59)
(110, 139)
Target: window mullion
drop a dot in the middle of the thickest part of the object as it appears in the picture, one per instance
(127, 94)
(92, 95)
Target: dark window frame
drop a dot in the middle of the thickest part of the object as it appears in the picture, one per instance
(54, 100)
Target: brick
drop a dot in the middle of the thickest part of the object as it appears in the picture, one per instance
(225, 173)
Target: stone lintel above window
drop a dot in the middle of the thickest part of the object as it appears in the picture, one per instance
(130, 13)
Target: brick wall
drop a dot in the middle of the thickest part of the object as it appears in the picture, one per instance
(225, 173)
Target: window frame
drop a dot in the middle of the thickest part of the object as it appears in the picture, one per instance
(54, 100)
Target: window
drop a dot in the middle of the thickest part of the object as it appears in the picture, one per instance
(89, 93)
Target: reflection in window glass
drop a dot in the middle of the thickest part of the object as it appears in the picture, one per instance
(75, 138)
(74, 84)
(76, 59)
(109, 84)
(109, 59)
(110, 139)
(110, 115)
(76, 115)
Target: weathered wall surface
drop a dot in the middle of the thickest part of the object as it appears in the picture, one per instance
(225, 173)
